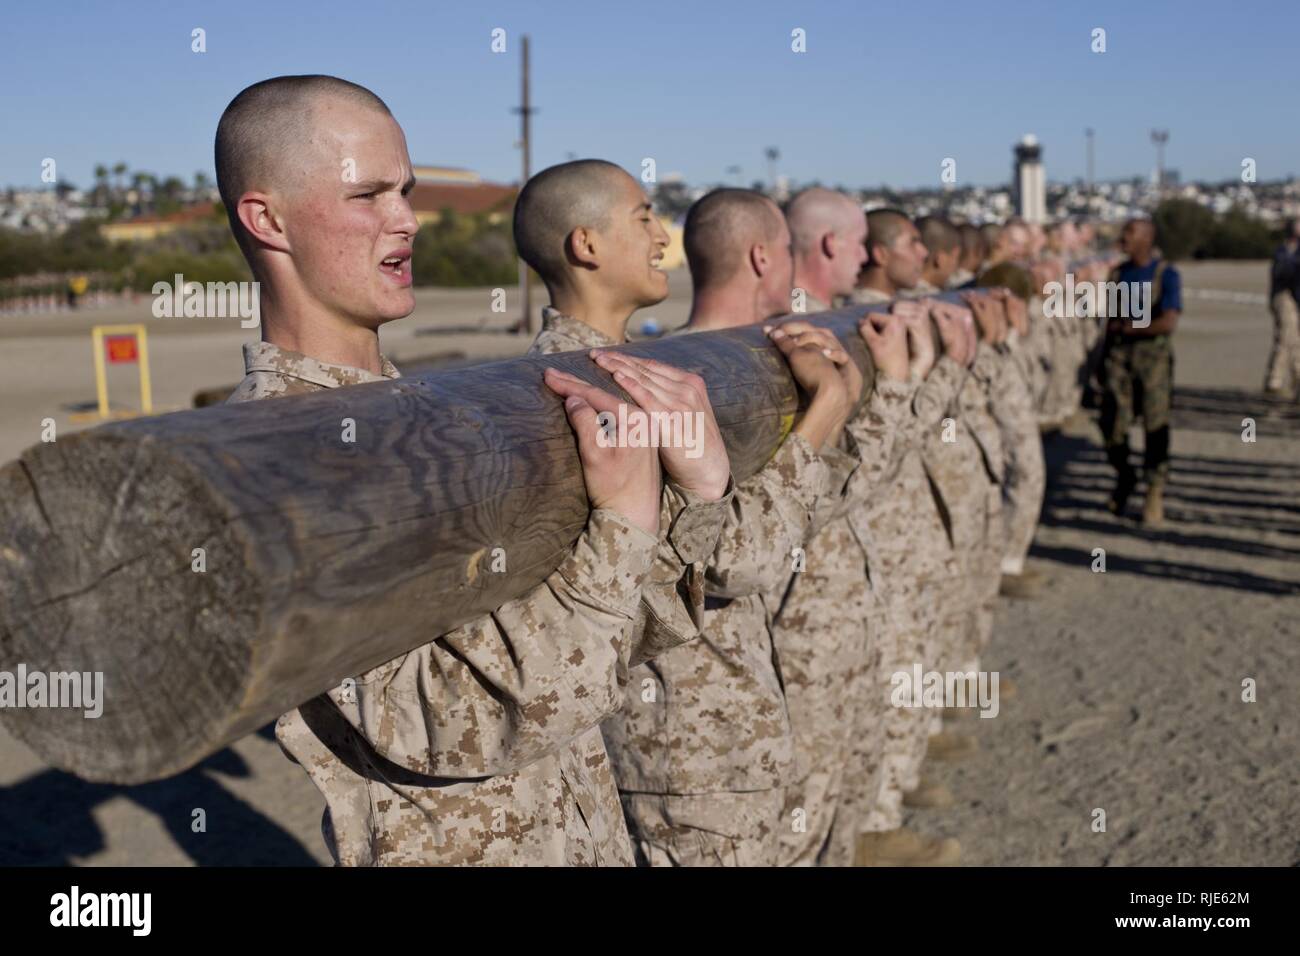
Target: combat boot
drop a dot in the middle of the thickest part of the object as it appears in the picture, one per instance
(929, 795)
(904, 847)
(947, 745)
(1153, 508)
(1025, 585)
(1123, 488)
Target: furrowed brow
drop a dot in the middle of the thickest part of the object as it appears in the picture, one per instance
(373, 185)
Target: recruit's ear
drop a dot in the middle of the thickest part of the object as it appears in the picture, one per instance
(258, 215)
(580, 247)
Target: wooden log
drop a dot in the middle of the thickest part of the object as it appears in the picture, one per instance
(322, 558)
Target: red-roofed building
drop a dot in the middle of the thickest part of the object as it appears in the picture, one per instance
(462, 191)
(150, 225)
(437, 188)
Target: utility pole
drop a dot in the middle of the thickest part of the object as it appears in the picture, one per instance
(1092, 170)
(1160, 137)
(525, 111)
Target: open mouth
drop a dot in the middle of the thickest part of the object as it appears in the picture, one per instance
(657, 263)
(398, 266)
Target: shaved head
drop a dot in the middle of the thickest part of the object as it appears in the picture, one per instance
(991, 233)
(972, 246)
(938, 234)
(884, 226)
(265, 122)
(1138, 237)
(828, 234)
(1007, 274)
(1016, 238)
(1145, 227)
(816, 211)
(722, 227)
(558, 200)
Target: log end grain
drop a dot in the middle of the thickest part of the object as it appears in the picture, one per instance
(99, 546)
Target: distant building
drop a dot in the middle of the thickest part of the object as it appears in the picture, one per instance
(438, 188)
(1029, 182)
(150, 225)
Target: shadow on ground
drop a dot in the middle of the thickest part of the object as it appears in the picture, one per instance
(47, 819)
(1236, 495)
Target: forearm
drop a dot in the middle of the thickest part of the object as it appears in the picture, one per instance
(770, 515)
(820, 422)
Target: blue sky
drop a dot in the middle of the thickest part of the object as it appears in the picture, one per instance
(885, 91)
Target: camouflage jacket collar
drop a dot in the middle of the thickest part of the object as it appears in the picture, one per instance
(265, 357)
(566, 326)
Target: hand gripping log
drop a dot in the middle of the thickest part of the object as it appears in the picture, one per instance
(321, 558)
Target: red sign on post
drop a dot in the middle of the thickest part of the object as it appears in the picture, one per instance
(121, 348)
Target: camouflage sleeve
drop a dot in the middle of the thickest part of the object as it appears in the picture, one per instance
(987, 364)
(769, 516)
(841, 464)
(1016, 351)
(854, 471)
(672, 603)
(878, 435)
(501, 691)
(1011, 401)
(935, 396)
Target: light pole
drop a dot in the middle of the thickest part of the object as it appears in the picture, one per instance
(525, 111)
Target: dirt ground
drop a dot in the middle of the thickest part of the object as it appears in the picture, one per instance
(1130, 680)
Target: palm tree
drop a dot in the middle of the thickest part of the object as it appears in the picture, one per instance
(168, 196)
(101, 183)
(119, 170)
(138, 182)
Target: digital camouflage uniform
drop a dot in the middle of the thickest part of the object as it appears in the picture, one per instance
(922, 602)
(981, 538)
(1038, 343)
(482, 746)
(923, 605)
(703, 745)
(1068, 367)
(1138, 379)
(673, 600)
(963, 459)
(825, 651)
(1024, 479)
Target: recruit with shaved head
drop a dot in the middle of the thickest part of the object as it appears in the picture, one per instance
(482, 746)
